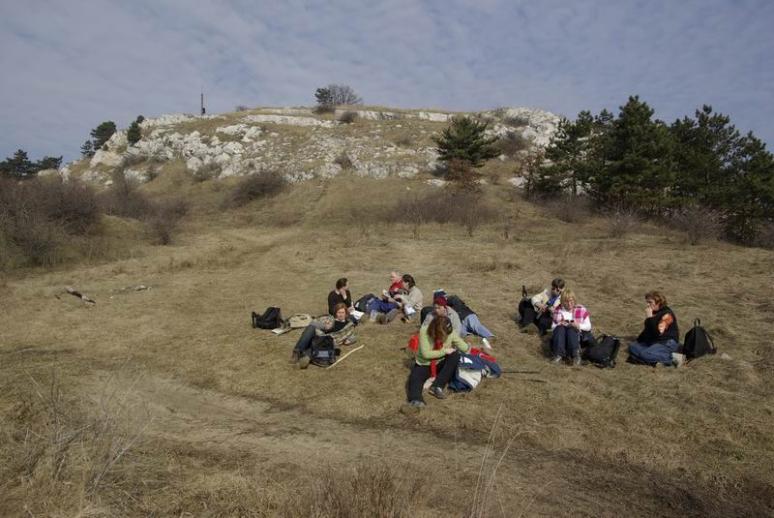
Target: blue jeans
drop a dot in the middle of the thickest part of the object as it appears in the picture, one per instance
(655, 353)
(471, 325)
(382, 306)
(565, 341)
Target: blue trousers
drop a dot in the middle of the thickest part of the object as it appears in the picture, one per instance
(565, 341)
(471, 325)
(654, 353)
(382, 306)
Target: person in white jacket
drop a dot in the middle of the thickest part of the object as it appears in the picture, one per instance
(570, 320)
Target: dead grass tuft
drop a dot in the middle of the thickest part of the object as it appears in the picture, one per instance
(263, 184)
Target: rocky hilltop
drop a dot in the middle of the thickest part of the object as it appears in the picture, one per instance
(302, 144)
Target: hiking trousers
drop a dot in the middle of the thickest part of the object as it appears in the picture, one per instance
(304, 343)
(471, 325)
(655, 353)
(529, 316)
(445, 369)
(565, 341)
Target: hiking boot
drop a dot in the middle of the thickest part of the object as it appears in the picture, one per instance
(389, 317)
(576, 360)
(294, 357)
(556, 359)
(487, 345)
(373, 316)
(437, 392)
(303, 362)
(678, 360)
(412, 407)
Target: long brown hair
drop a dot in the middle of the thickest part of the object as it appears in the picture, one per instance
(437, 330)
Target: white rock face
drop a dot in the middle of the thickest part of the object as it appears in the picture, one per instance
(291, 120)
(43, 173)
(243, 145)
(107, 158)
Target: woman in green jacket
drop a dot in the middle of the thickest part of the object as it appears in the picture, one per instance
(438, 345)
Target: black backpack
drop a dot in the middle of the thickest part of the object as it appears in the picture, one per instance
(603, 351)
(271, 319)
(698, 342)
(362, 302)
(323, 351)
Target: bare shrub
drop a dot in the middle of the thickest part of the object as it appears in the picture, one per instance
(348, 117)
(124, 200)
(512, 144)
(207, 171)
(324, 108)
(570, 209)
(241, 108)
(765, 238)
(468, 210)
(443, 206)
(698, 224)
(622, 222)
(516, 122)
(344, 161)
(260, 185)
(132, 159)
(165, 218)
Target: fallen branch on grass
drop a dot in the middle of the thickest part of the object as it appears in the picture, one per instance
(342, 358)
(75, 293)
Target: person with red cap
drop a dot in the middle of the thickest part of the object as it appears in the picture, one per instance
(441, 308)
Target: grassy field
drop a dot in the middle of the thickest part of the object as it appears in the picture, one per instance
(163, 401)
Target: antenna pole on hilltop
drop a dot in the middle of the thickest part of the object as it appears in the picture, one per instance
(203, 111)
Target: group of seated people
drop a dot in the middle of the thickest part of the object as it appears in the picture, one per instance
(556, 309)
(445, 324)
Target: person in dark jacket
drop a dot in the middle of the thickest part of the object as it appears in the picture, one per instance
(659, 341)
(340, 295)
(339, 328)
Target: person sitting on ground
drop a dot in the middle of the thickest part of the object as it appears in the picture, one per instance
(387, 301)
(436, 343)
(471, 324)
(341, 295)
(441, 307)
(659, 341)
(539, 310)
(569, 322)
(409, 304)
(338, 327)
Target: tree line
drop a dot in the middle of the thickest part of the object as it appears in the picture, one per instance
(635, 162)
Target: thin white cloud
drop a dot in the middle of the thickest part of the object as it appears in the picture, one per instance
(70, 65)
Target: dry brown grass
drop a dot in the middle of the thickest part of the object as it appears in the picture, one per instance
(235, 430)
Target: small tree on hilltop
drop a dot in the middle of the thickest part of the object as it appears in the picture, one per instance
(87, 149)
(102, 134)
(18, 166)
(464, 146)
(330, 96)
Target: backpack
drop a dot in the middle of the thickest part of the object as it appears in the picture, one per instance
(323, 351)
(698, 342)
(271, 319)
(603, 351)
(362, 302)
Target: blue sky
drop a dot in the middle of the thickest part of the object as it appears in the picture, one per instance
(69, 65)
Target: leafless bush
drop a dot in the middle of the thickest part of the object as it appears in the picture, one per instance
(765, 238)
(165, 218)
(570, 209)
(348, 117)
(260, 185)
(343, 160)
(324, 108)
(516, 122)
(241, 108)
(443, 206)
(512, 144)
(622, 222)
(698, 224)
(132, 159)
(124, 200)
(207, 171)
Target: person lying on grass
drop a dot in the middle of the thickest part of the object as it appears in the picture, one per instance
(569, 322)
(339, 327)
(437, 355)
(659, 341)
(539, 309)
(387, 302)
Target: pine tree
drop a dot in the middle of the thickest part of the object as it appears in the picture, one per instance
(18, 166)
(133, 134)
(566, 167)
(465, 139)
(102, 134)
(48, 162)
(87, 149)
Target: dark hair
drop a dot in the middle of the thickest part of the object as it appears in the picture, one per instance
(438, 328)
(409, 279)
(341, 283)
(558, 283)
(656, 297)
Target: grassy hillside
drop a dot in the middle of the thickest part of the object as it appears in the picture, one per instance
(163, 401)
